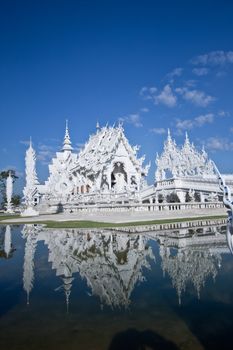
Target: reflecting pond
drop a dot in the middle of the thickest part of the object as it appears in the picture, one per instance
(166, 288)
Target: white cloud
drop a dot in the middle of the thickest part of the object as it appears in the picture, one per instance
(191, 83)
(223, 114)
(197, 97)
(133, 119)
(46, 153)
(218, 144)
(177, 72)
(214, 58)
(144, 110)
(188, 124)
(200, 71)
(25, 142)
(158, 131)
(166, 97)
(185, 124)
(147, 92)
(204, 119)
(221, 74)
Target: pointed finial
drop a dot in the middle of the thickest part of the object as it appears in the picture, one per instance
(30, 142)
(186, 137)
(120, 124)
(67, 143)
(169, 139)
(97, 126)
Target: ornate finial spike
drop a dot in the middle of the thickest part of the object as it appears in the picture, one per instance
(120, 124)
(30, 142)
(67, 143)
(169, 139)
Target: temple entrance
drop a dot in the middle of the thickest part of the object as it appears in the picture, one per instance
(119, 177)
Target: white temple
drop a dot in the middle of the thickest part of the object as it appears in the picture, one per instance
(107, 173)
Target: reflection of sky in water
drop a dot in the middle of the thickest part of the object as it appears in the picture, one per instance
(65, 288)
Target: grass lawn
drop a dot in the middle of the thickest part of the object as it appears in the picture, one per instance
(8, 216)
(94, 224)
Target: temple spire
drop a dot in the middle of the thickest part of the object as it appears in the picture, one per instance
(169, 142)
(169, 138)
(67, 143)
(187, 138)
(30, 188)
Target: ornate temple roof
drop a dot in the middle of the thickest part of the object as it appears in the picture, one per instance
(182, 161)
(101, 149)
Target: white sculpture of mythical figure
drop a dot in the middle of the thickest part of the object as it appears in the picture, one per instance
(120, 182)
(192, 195)
(104, 184)
(228, 202)
(9, 192)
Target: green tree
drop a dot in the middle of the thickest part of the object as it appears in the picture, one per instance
(16, 200)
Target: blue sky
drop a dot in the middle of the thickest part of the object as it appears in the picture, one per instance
(152, 64)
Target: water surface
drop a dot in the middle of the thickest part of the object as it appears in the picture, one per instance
(70, 289)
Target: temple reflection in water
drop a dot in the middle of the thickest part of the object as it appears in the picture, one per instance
(113, 263)
(110, 263)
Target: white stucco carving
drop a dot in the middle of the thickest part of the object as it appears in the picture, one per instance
(9, 192)
(182, 161)
(30, 190)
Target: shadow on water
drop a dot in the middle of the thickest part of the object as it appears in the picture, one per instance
(132, 339)
(211, 323)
